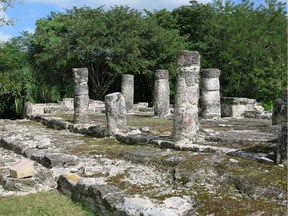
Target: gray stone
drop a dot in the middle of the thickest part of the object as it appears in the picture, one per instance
(81, 95)
(28, 109)
(281, 156)
(210, 97)
(210, 73)
(185, 125)
(59, 160)
(115, 113)
(43, 144)
(276, 117)
(161, 93)
(127, 89)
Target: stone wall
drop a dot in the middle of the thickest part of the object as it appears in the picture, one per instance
(65, 106)
(241, 107)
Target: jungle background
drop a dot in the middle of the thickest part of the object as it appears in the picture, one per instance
(247, 43)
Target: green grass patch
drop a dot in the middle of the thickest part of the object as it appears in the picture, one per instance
(46, 203)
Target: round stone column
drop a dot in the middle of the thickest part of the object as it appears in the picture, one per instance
(210, 97)
(185, 125)
(161, 93)
(81, 96)
(115, 113)
(127, 90)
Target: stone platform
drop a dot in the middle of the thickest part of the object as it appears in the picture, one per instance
(221, 174)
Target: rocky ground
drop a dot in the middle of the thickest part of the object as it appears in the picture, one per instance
(113, 178)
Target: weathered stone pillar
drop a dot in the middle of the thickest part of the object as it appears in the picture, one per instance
(210, 97)
(115, 112)
(281, 156)
(185, 125)
(161, 93)
(81, 96)
(127, 90)
(28, 110)
(276, 117)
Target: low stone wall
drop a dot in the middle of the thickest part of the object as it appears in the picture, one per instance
(242, 107)
(65, 106)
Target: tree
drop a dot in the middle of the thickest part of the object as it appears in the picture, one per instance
(247, 44)
(4, 5)
(109, 43)
(17, 83)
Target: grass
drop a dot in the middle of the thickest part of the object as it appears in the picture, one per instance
(45, 203)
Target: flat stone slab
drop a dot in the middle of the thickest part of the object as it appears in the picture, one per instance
(23, 169)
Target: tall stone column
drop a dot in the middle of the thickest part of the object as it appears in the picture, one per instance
(115, 112)
(210, 97)
(161, 93)
(81, 96)
(281, 156)
(127, 90)
(185, 125)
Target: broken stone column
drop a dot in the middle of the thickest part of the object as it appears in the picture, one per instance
(210, 97)
(81, 96)
(115, 112)
(281, 156)
(127, 90)
(161, 93)
(185, 125)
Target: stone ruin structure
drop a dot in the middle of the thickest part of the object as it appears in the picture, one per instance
(281, 156)
(65, 106)
(127, 90)
(115, 113)
(185, 124)
(241, 107)
(210, 96)
(104, 175)
(81, 95)
(161, 93)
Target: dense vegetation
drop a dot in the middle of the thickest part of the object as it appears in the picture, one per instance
(247, 43)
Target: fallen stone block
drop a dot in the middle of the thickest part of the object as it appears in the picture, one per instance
(23, 169)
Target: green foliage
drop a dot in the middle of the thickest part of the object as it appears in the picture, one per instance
(267, 105)
(108, 43)
(247, 44)
(16, 87)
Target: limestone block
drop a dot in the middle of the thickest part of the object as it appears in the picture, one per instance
(23, 169)
(81, 89)
(80, 75)
(161, 93)
(115, 112)
(127, 90)
(211, 84)
(211, 97)
(210, 73)
(187, 58)
(162, 74)
(59, 160)
(276, 117)
(189, 94)
(81, 109)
